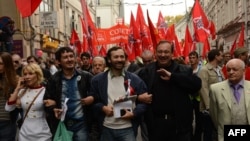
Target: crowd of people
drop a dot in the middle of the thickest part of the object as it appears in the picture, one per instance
(110, 98)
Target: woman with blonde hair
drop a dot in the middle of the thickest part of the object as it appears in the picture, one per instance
(28, 95)
(8, 82)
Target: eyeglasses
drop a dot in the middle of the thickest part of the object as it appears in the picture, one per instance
(16, 62)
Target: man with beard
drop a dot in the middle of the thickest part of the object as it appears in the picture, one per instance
(116, 84)
(73, 84)
(170, 114)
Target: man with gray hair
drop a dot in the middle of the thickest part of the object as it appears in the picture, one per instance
(98, 65)
(229, 98)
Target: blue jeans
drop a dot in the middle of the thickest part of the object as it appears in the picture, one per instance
(79, 129)
(126, 134)
(7, 130)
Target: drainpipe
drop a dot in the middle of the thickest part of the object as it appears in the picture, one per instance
(65, 24)
(33, 36)
(246, 19)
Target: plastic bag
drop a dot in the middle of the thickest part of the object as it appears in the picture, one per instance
(62, 134)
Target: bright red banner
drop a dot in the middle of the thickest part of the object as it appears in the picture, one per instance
(114, 35)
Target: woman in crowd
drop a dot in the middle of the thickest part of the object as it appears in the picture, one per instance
(28, 95)
(8, 82)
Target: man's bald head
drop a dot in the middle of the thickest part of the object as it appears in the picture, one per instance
(147, 57)
(235, 70)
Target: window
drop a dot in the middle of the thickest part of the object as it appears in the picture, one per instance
(46, 5)
(61, 4)
(98, 22)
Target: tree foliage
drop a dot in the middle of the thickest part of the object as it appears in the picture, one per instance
(173, 19)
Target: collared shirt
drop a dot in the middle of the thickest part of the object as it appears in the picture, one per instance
(219, 74)
(70, 90)
(240, 90)
(113, 75)
(115, 90)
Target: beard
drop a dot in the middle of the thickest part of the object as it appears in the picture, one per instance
(118, 65)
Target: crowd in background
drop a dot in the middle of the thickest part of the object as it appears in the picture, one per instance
(177, 100)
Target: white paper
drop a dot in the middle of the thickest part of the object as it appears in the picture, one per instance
(125, 98)
(64, 109)
(122, 105)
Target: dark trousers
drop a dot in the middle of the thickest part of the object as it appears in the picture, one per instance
(165, 130)
(209, 132)
(198, 121)
(7, 130)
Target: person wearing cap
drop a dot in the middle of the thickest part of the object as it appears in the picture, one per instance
(242, 53)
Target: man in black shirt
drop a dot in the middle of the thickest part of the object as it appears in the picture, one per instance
(170, 114)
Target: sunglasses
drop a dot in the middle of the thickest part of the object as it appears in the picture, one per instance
(16, 62)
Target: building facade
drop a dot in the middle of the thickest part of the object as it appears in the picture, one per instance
(64, 15)
(228, 17)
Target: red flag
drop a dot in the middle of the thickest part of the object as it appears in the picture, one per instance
(206, 48)
(85, 18)
(177, 49)
(161, 26)
(200, 22)
(74, 40)
(85, 47)
(187, 43)
(133, 48)
(212, 30)
(85, 38)
(171, 36)
(170, 33)
(233, 46)
(27, 7)
(103, 50)
(90, 28)
(146, 42)
(241, 38)
(153, 32)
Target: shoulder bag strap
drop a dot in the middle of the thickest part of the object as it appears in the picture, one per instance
(32, 103)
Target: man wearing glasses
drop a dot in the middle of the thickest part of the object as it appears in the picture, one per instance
(17, 62)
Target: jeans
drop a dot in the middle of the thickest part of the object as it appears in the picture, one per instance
(126, 134)
(79, 129)
(7, 130)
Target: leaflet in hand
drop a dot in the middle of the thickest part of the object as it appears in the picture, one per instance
(122, 103)
(125, 98)
(64, 109)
